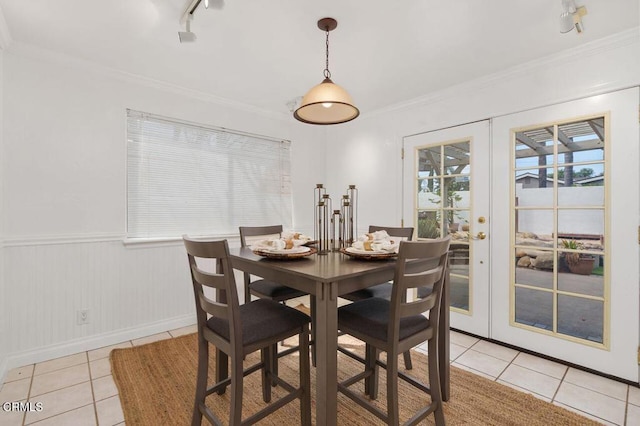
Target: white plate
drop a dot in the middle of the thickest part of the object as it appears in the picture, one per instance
(361, 251)
(294, 250)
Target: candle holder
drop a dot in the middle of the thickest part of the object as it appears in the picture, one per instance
(324, 222)
(337, 226)
(351, 214)
(318, 192)
(334, 229)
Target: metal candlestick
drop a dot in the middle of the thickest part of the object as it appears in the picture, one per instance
(318, 192)
(351, 214)
(337, 236)
(324, 221)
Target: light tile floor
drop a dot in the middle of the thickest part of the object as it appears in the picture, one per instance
(79, 389)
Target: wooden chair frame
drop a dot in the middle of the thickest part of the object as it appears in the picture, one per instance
(420, 264)
(227, 309)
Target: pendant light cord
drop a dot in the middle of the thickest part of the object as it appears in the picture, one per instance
(327, 73)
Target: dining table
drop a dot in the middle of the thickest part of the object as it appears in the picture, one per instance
(326, 277)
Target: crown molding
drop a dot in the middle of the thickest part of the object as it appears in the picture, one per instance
(597, 47)
(5, 34)
(37, 53)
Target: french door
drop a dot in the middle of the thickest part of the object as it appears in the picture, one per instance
(564, 243)
(446, 191)
(543, 210)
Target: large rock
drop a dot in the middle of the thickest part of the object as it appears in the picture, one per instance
(544, 260)
(524, 262)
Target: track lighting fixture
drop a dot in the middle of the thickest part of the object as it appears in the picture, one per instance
(187, 16)
(571, 16)
(187, 36)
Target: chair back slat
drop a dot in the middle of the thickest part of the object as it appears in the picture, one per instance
(222, 280)
(420, 264)
(427, 279)
(249, 234)
(405, 233)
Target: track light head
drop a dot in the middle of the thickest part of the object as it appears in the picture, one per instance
(187, 36)
(571, 17)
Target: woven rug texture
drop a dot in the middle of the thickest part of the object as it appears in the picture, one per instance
(156, 384)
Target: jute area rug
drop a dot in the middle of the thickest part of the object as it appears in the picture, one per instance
(156, 383)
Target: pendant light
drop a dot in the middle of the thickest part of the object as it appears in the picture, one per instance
(326, 103)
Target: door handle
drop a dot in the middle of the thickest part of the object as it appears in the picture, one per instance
(481, 236)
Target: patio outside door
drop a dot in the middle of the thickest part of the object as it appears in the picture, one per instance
(446, 191)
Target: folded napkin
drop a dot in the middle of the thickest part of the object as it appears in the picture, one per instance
(297, 237)
(284, 243)
(270, 244)
(376, 241)
(378, 236)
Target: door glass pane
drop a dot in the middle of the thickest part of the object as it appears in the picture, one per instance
(534, 227)
(581, 186)
(581, 273)
(581, 141)
(429, 193)
(429, 224)
(456, 158)
(429, 161)
(444, 208)
(580, 317)
(534, 268)
(534, 308)
(559, 228)
(534, 148)
(534, 187)
(459, 287)
(581, 227)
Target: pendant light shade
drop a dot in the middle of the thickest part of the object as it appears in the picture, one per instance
(326, 103)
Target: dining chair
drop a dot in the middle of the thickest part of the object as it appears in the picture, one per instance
(384, 290)
(239, 330)
(395, 326)
(380, 290)
(261, 288)
(266, 289)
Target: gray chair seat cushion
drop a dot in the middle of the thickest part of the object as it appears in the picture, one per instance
(370, 317)
(262, 319)
(383, 291)
(274, 290)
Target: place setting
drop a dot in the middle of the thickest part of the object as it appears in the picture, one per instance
(373, 246)
(291, 245)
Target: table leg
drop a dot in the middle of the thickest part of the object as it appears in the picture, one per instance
(222, 359)
(326, 354)
(443, 342)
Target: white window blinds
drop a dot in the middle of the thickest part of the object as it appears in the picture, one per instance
(185, 178)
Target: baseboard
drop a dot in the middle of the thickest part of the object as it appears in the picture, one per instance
(19, 359)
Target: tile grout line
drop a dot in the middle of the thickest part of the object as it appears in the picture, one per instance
(93, 393)
(33, 373)
(626, 407)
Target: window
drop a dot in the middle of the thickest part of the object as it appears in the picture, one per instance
(186, 178)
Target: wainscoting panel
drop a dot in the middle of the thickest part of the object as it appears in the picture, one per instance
(122, 287)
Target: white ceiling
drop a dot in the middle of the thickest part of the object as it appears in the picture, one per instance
(265, 53)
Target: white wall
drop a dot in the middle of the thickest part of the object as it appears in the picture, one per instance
(64, 217)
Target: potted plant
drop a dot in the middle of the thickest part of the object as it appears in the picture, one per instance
(577, 263)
